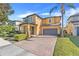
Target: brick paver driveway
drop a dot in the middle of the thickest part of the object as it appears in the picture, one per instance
(41, 45)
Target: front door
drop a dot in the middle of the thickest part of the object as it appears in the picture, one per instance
(32, 30)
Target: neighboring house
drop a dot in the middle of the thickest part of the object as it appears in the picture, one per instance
(3, 23)
(73, 25)
(16, 24)
(36, 25)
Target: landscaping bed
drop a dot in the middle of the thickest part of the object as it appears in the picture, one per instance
(65, 47)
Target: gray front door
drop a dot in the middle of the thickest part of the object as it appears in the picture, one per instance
(32, 30)
(49, 31)
(78, 31)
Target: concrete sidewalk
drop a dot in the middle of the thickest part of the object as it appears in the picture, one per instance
(9, 49)
(12, 50)
(3, 42)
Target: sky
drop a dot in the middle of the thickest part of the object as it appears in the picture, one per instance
(42, 9)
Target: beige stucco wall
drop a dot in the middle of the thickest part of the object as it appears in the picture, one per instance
(38, 23)
(25, 28)
(54, 20)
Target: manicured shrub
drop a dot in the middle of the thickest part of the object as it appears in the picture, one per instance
(20, 37)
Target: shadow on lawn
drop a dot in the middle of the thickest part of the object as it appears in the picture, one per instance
(75, 40)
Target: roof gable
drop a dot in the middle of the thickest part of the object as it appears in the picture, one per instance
(32, 15)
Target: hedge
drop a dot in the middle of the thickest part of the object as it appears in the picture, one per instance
(20, 37)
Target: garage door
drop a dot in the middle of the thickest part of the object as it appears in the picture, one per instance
(49, 31)
(78, 31)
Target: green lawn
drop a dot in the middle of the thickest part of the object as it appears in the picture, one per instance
(65, 47)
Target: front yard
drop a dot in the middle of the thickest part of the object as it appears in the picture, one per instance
(67, 46)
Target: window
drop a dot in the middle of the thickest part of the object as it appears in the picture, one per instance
(50, 20)
(29, 20)
(26, 20)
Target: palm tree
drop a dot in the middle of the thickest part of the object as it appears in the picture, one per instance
(62, 10)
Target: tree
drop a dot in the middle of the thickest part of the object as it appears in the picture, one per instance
(5, 11)
(62, 10)
(6, 30)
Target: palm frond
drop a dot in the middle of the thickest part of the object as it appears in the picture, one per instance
(52, 9)
(71, 5)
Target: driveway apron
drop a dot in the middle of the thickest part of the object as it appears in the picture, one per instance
(40, 45)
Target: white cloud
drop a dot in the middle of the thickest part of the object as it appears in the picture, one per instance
(45, 14)
(67, 12)
(53, 14)
(71, 12)
(25, 14)
(56, 14)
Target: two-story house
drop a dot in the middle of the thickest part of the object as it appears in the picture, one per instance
(35, 25)
(73, 25)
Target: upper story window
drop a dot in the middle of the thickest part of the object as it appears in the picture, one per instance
(50, 20)
(75, 18)
(29, 20)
